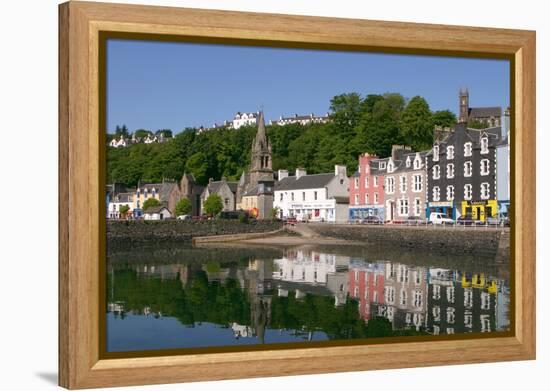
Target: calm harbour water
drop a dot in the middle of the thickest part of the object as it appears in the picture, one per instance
(180, 297)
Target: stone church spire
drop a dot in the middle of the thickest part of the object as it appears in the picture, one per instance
(261, 149)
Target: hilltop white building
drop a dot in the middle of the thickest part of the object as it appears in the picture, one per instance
(317, 197)
(301, 119)
(244, 119)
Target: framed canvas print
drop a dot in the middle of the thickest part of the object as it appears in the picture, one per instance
(246, 195)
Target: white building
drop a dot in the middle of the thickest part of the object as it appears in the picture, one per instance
(244, 119)
(157, 213)
(119, 200)
(120, 142)
(301, 119)
(317, 197)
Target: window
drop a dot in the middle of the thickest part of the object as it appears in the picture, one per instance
(485, 191)
(382, 165)
(390, 167)
(484, 145)
(315, 195)
(485, 301)
(436, 312)
(468, 297)
(436, 153)
(417, 183)
(417, 207)
(303, 196)
(417, 300)
(435, 172)
(404, 207)
(436, 293)
(366, 182)
(403, 183)
(356, 181)
(226, 201)
(417, 163)
(450, 170)
(375, 181)
(403, 297)
(451, 294)
(450, 152)
(357, 199)
(484, 167)
(366, 199)
(376, 198)
(390, 185)
(408, 163)
(436, 193)
(450, 193)
(292, 196)
(389, 294)
(468, 149)
(467, 169)
(468, 192)
(450, 330)
(450, 315)
(485, 323)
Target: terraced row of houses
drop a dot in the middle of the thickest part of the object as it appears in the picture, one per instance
(465, 173)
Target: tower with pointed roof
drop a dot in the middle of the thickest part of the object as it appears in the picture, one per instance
(256, 186)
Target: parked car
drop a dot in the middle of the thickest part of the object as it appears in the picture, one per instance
(467, 220)
(437, 218)
(372, 220)
(185, 217)
(290, 221)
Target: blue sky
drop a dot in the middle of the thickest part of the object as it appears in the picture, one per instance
(158, 85)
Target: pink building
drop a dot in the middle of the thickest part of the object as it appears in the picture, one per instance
(366, 284)
(366, 189)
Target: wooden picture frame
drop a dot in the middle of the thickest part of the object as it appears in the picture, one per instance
(81, 192)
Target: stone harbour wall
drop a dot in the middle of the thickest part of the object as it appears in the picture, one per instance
(142, 231)
(478, 241)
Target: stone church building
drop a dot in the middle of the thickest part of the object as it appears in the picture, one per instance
(255, 187)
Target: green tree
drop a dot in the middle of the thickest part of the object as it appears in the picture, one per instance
(417, 124)
(149, 202)
(444, 118)
(346, 110)
(142, 133)
(198, 165)
(213, 204)
(379, 326)
(124, 209)
(475, 124)
(183, 207)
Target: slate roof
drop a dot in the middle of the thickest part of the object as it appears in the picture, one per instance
(214, 186)
(314, 181)
(484, 112)
(124, 197)
(155, 209)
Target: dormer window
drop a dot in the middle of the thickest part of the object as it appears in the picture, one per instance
(390, 167)
(408, 161)
(436, 153)
(484, 145)
(450, 152)
(382, 165)
(417, 163)
(468, 149)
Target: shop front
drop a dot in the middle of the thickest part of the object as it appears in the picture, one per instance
(480, 210)
(445, 207)
(361, 211)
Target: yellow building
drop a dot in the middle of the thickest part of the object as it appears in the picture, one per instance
(480, 210)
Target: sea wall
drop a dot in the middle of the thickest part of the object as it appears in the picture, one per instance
(478, 241)
(142, 231)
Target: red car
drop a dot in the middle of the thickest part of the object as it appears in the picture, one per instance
(291, 221)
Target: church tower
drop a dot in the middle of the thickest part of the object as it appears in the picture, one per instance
(261, 169)
(464, 104)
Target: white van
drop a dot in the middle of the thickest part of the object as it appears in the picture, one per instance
(440, 218)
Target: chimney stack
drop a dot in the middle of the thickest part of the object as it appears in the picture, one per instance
(282, 174)
(340, 170)
(300, 172)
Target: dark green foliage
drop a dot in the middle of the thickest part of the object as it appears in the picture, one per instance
(124, 209)
(475, 124)
(445, 118)
(183, 207)
(417, 124)
(379, 327)
(213, 204)
(372, 124)
(142, 133)
(149, 202)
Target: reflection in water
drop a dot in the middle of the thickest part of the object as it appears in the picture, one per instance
(300, 294)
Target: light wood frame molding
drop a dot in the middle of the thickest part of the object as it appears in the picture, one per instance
(81, 193)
